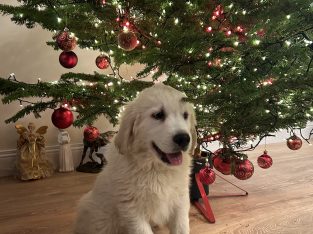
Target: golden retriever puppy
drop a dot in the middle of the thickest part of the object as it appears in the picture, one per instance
(146, 180)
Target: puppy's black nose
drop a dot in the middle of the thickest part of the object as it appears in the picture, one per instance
(182, 140)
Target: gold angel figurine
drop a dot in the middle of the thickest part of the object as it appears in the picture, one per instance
(31, 161)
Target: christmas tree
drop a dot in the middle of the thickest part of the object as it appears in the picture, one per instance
(244, 64)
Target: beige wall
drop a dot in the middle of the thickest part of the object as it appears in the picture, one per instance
(24, 52)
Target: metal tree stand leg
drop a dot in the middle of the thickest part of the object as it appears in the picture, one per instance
(205, 208)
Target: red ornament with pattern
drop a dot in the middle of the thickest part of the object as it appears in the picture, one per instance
(294, 142)
(127, 40)
(207, 175)
(265, 161)
(243, 169)
(221, 163)
(102, 61)
(66, 40)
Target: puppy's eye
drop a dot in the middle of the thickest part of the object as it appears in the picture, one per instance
(185, 115)
(159, 115)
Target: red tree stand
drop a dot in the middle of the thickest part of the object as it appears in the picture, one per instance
(205, 207)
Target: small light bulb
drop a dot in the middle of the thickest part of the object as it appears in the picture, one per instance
(209, 29)
(256, 42)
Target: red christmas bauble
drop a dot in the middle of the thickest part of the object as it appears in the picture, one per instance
(243, 169)
(265, 161)
(66, 41)
(62, 118)
(91, 133)
(127, 40)
(207, 175)
(102, 61)
(221, 164)
(68, 59)
(261, 32)
(294, 142)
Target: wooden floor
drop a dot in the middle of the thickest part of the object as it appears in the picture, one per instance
(280, 200)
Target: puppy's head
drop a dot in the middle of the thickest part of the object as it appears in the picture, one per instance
(158, 126)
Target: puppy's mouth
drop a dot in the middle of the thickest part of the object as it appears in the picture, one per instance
(173, 159)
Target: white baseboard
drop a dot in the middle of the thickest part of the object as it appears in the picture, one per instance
(8, 158)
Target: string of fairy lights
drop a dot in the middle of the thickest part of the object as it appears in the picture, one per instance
(81, 83)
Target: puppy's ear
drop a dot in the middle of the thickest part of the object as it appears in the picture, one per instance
(125, 136)
(193, 131)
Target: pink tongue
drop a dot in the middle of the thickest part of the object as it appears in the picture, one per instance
(175, 159)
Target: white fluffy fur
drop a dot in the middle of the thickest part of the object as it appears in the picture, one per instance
(136, 189)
